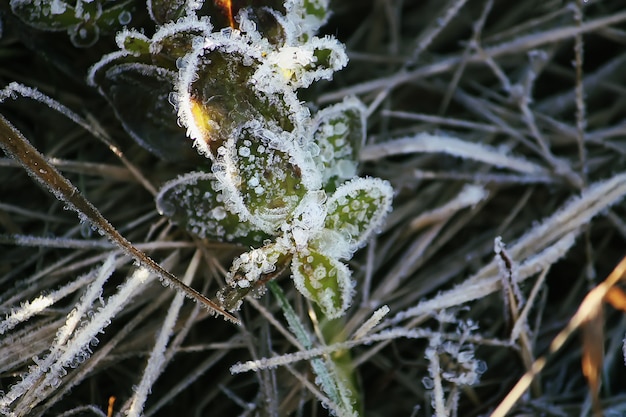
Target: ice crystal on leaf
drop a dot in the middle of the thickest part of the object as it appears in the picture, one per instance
(324, 280)
(337, 133)
(357, 208)
(215, 96)
(265, 176)
(193, 202)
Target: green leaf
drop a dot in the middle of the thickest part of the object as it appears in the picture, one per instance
(316, 8)
(308, 15)
(219, 97)
(250, 272)
(265, 176)
(357, 209)
(139, 94)
(136, 43)
(46, 15)
(192, 202)
(82, 22)
(323, 280)
(267, 24)
(339, 131)
(173, 41)
(139, 81)
(164, 11)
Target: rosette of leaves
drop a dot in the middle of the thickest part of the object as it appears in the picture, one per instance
(277, 192)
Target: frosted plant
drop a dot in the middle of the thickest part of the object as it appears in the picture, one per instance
(451, 365)
(281, 180)
(268, 192)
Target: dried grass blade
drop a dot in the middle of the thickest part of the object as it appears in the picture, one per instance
(587, 315)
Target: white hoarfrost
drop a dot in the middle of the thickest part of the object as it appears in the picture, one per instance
(323, 279)
(364, 202)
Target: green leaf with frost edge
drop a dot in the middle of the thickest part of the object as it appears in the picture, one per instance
(192, 202)
(358, 208)
(337, 134)
(251, 270)
(323, 280)
(83, 22)
(264, 176)
(138, 82)
(164, 11)
(216, 96)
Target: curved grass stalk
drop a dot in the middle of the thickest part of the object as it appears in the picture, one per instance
(18, 147)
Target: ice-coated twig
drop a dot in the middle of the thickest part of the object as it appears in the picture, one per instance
(54, 242)
(479, 288)
(94, 291)
(581, 110)
(434, 369)
(370, 323)
(100, 355)
(469, 196)
(77, 411)
(64, 350)
(521, 325)
(17, 146)
(448, 11)
(382, 336)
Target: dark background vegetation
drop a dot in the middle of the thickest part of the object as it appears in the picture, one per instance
(383, 40)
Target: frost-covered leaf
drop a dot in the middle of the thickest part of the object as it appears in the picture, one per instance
(216, 97)
(324, 280)
(358, 208)
(338, 131)
(139, 95)
(164, 11)
(264, 175)
(298, 66)
(251, 270)
(46, 15)
(307, 16)
(192, 202)
(174, 40)
(138, 82)
(131, 41)
(82, 20)
(267, 22)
